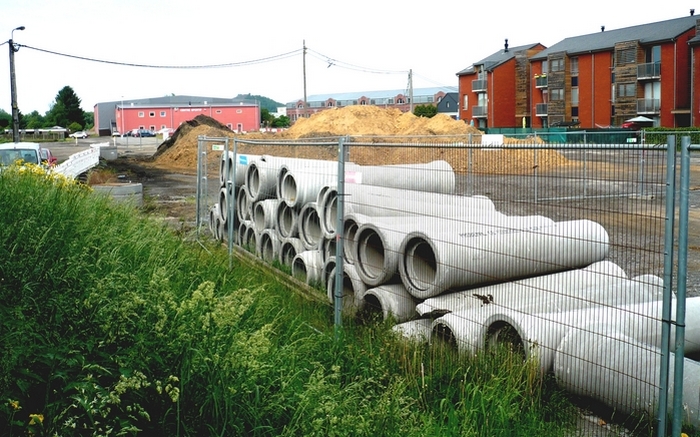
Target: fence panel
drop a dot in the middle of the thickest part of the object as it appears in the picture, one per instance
(555, 250)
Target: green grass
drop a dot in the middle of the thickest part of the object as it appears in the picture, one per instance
(111, 324)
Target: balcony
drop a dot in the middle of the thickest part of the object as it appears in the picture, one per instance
(648, 106)
(479, 111)
(540, 81)
(479, 85)
(541, 110)
(651, 70)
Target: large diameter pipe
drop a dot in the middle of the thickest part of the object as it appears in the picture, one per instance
(352, 290)
(310, 232)
(264, 213)
(289, 248)
(382, 201)
(546, 293)
(307, 266)
(392, 301)
(300, 183)
(261, 177)
(241, 162)
(268, 245)
(328, 266)
(622, 372)
(417, 330)
(433, 261)
(243, 204)
(287, 221)
(434, 177)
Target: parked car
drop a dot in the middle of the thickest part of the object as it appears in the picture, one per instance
(48, 157)
(80, 134)
(116, 133)
(143, 133)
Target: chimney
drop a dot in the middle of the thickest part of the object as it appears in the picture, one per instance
(602, 28)
(506, 46)
(692, 12)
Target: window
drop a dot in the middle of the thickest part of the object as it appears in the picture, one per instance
(573, 65)
(329, 104)
(363, 102)
(574, 96)
(557, 65)
(141, 114)
(574, 80)
(466, 101)
(162, 126)
(218, 111)
(151, 114)
(653, 54)
(545, 66)
(574, 111)
(153, 127)
(556, 94)
(162, 113)
(627, 90)
(399, 101)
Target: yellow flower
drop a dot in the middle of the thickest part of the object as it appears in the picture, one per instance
(36, 419)
(15, 405)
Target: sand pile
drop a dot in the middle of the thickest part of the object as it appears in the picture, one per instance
(365, 124)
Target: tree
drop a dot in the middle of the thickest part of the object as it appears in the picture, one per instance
(281, 121)
(428, 111)
(66, 109)
(34, 120)
(266, 119)
(5, 118)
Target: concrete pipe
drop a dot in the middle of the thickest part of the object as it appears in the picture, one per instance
(289, 248)
(353, 290)
(327, 246)
(414, 330)
(351, 223)
(391, 301)
(622, 373)
(213, 214)
(309, 226)
(261, 177)
(546, 293)
(433, 261)
(226, 167)
(381, 201)
(268, 245)
(464, 330)
(264, 213)
(300, 184)
(307, 266)
(287, 221)
(328, 266)
(434, 177)
(225, 197)
(243, 204)
(248, 236)
(221, 229)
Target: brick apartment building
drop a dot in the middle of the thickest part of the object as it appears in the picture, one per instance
(595, 80)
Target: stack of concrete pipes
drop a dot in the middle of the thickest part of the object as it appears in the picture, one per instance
(441, 265)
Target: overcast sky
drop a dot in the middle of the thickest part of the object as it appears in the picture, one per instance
(360, 45)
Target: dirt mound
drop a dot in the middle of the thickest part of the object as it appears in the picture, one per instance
(364, 124)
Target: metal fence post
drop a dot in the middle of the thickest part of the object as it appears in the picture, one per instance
(338, 287)
(668, 284)
(682, 272)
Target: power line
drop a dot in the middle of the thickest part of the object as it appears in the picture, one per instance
(335, 62)
(129, 64)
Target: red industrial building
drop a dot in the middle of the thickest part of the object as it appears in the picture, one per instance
(591, 81)
(171, 111)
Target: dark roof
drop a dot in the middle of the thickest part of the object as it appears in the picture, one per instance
(601, 41)
(495, 59)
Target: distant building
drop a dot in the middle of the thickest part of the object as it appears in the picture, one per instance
(449, 105)
(171, 111)
(400, 99)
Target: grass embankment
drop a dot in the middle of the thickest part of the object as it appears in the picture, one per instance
(110, 324)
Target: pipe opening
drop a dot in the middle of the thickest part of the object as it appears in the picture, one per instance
(312, 228)
(331, 212)
(267, 252)
(299, 270)
(370, 254)
(287, 253)
(442, 334)
(286, 220)
(253, 180)
(288, 188)
(350, 229)
(372, 309)
(421, 263)
(502, 336)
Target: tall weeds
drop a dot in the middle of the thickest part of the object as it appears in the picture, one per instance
(112, 325)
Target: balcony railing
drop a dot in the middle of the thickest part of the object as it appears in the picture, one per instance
(648, 106)
(479, 85)
(651, 70)
(479, 111)
(541, 110)
(540, 81)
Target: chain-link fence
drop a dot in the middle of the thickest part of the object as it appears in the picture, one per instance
(563, 252)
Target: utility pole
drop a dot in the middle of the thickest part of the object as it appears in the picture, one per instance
(304, 68)
(13, 87)
(410, 89)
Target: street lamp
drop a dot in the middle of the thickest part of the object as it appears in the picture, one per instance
(13, 86)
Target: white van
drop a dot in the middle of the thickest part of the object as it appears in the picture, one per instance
(13, 152)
